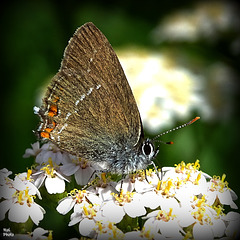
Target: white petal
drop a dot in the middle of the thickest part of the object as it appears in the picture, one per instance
(185, 219)
(225, 197)
(60, 175)
(83, 176)
(38, 232)
(134, 209)
(40, 177)
(94, 199)
(150, 200)
(54, 185)
(211, 197)
(151, 225)
(141, 186)
(218, 227)
(75, 218)
(4, 207)
(28, 153)
(36, 213)
(6, 192)
(133, 235)
(233, 194)
(65, 205)
(232, 216)
(152, 214)
(69, 168)
(202, 232)
(113, 212)
(126, 185)
(170, 229)
(86, 227)
(167, 203)
(233, 230)
(19, 213)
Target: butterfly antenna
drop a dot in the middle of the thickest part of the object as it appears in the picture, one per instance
(176, 128)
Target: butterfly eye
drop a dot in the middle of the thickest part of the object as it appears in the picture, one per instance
(148, 148)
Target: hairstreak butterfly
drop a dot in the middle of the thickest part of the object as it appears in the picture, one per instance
(89, 109)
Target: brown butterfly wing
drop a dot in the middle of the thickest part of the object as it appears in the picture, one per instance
(89, 107)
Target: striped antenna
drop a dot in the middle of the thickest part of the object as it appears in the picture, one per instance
(176, 128)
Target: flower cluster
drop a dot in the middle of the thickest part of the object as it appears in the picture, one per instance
(185, 204)
(18, 198)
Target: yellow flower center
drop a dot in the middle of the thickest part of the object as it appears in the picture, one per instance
(23, 196)
(89, 211)
(165, 216)
(200, 213)
(122, 198)
(218, 184)
(78, 195)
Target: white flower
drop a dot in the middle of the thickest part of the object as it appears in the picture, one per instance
(123, 203)
(233, 222)
(108, 231)
(25, 180)
(81, 169)
(78, 198)
(144, 235)
(218, 190)
(88, 217)
(45, 152)
(20, 204)
(164, 222)
(51, 151)
(54, 179)
(34, 151)
(138, 182)
(4, 173)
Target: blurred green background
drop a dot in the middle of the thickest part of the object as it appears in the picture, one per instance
(35, 33)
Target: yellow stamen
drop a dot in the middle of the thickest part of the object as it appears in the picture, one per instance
(85, 210)
(198, 178)
(99, 226)
(103, 176)
(168, 187)
(159, 185)
(110, 226)
(219, 210)
(170, 212)
(196, 165)
(29, 172)
(223, 177)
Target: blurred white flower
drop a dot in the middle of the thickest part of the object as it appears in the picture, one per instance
(162, 90)
(4, 173)
(34, 151)
(205, 20)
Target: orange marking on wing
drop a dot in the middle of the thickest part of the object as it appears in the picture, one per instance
(48, 130)
(45, 135)
(52, 111)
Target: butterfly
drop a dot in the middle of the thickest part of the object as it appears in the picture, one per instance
(89, 109)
